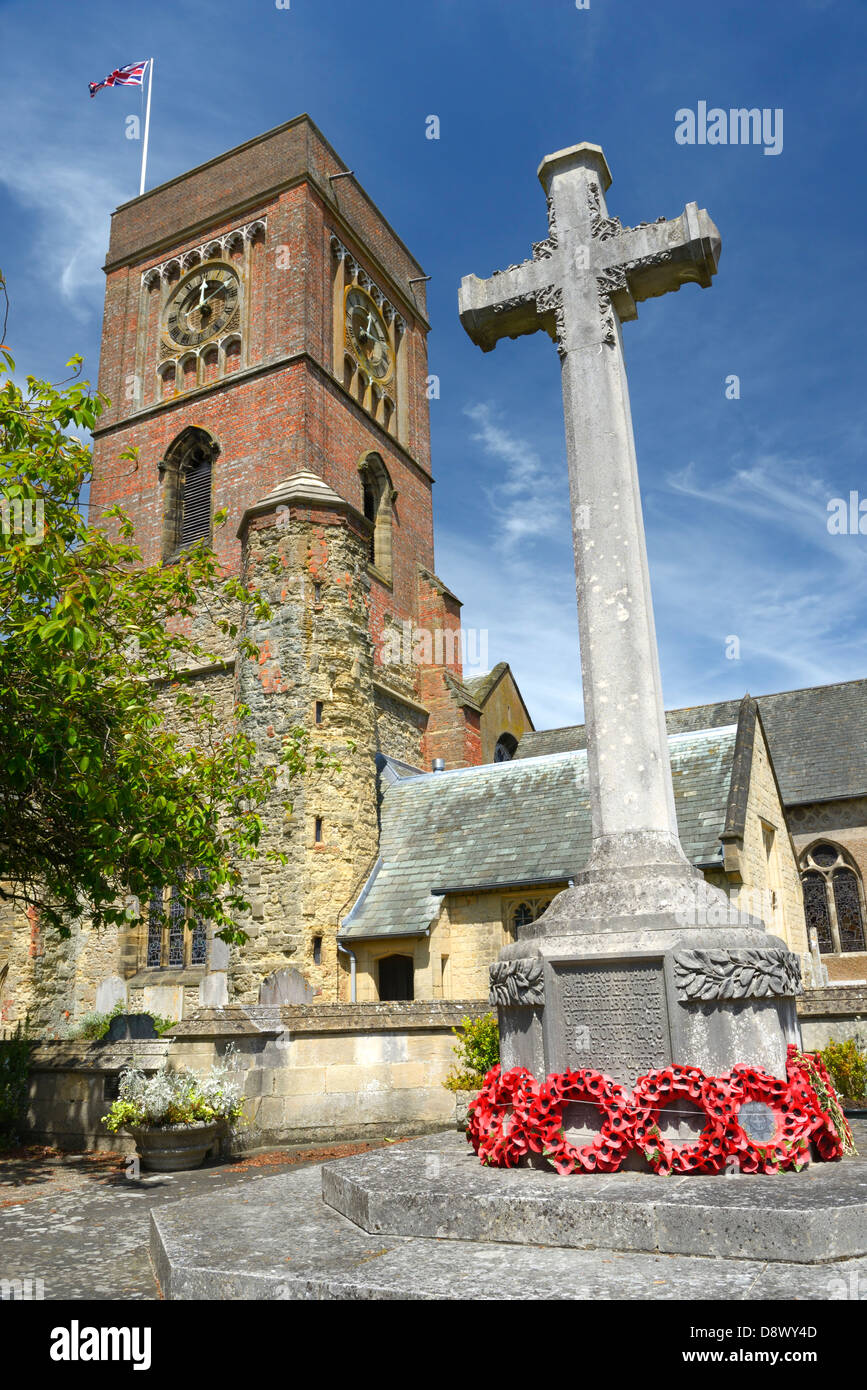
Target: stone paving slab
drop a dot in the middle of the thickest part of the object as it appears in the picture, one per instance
(277, 1240)
(81, 1226)
(437, 1188)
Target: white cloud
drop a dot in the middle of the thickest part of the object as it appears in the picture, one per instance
(527, 606)
(751, 556)
(528, 501)
(70, 215)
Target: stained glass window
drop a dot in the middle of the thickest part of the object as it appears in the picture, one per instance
(816, 910)
(176, 929)
(155, 928)
(199, 942)
(832, 899)
(185, 943)
(849, 919)
(824, 855)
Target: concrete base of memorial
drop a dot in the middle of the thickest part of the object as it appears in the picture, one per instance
(425, 1220)
(637, 966)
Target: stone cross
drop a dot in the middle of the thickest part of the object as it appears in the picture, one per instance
(582, 282)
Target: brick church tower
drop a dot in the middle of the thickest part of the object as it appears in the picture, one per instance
(264, 349)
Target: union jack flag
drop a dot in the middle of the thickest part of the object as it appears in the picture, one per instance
(130, 76)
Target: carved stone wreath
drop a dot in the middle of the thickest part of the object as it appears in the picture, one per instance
(517, 982)
(738, 974)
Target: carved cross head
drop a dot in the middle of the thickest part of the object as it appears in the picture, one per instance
(590, 267)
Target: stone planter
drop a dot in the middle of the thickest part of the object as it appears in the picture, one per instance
(462, 1103)
(171, 1148)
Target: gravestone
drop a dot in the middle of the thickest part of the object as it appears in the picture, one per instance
(110, 992)
(286, 987)
(126, 1026)
(627, 969)
(166, 1001)
(214, 990)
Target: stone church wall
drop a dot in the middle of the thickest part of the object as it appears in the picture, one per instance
(315, 648)
(399, 727)
(780, 876)
(843, 823)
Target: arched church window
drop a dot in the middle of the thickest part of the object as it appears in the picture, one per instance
(505, 749)
(396, 978)
(849, 919)
(187, 471)
(370, 510)
(377, 501)
(177, 935)
(816, 910)
(833, 898)
(521, 912)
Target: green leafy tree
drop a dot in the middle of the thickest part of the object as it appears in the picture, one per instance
(99, 802)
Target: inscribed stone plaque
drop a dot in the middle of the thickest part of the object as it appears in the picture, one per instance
(614, 1017)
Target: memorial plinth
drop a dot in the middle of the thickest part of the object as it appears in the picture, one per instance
(622, 973)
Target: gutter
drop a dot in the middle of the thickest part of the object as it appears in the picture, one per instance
(353, 968)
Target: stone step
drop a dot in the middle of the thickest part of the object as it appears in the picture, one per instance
(436, 1188)
(275, 1239)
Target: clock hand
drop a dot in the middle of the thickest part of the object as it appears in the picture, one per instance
(373, 329)
(212, 294)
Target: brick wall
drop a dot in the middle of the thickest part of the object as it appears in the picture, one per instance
(281, 410)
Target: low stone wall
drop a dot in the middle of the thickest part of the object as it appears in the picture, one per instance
(833, 1012)
(312, 1073)
(72, 1085)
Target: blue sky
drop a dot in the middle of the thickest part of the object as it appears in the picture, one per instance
(735, 491)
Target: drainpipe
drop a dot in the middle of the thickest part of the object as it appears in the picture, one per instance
(353, 964)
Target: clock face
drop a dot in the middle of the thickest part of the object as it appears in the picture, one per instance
(368, 334)
(202, 305)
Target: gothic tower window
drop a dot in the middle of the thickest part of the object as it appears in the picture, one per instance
(833, 899)
(187, 472)
(177, 936)
(377, 501)
(370, 510)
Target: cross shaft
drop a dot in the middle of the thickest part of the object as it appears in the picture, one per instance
(583, 280)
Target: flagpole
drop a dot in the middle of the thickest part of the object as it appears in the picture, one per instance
(144, 153)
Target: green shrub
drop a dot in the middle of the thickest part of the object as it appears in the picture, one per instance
(847, 1066)
(14, 1075)
(477, 1050)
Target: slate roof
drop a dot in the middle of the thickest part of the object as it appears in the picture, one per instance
(480, 687)
(817, 737)
(502, 825)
